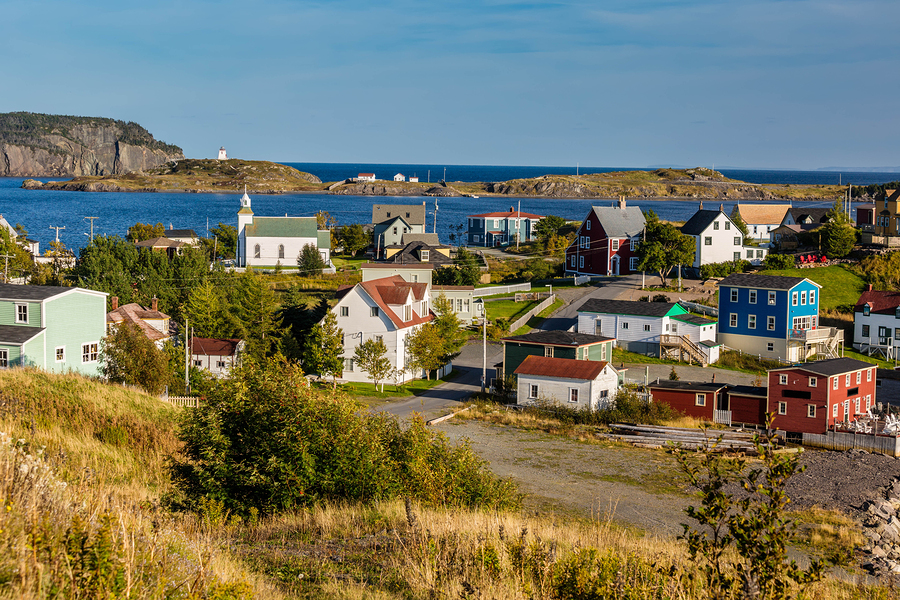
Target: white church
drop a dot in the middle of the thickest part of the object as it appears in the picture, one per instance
(266, 242)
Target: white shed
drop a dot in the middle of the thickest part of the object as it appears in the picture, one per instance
(583, 384)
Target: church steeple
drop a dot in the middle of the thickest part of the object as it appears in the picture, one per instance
(245, 204)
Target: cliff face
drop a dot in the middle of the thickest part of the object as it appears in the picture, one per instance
(53, 146)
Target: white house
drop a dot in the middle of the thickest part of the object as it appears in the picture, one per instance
(399, 177)
(269, 241)
(218, 356)
(412, 273)
(876, 323)
(462, 299)
(30, 245)
(581, 384)
(760, 219)
(414, 179)
(389, 308)
(366, 177)
(717, 240)
(156, 325)
(650, 328)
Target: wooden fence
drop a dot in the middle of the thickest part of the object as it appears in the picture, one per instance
(501, 289)
(524, 318)
(188, 401)
(880, 444)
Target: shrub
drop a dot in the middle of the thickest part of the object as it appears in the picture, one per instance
(724, 269)
(779, 261)
(628, 407)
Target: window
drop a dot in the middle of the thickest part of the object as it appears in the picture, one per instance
(732, 320)
(868, 374)
(737, 241)
(220, 364)
(749, 253)
(834, 383)
(794, 298)
(646, 327)
(615, 245)
(4, 358)
(458, 305)
(716, 225)
(700, 400)
(782, 408)
(771, 298)
(783, 379)
(415, 278)
(633, 263)
(734, 295)
(573, 260)
(834, 410)
(847, 380)
(754, 229)
(280, 250)
(802, 323)
(348, 364)
(395, 231)
(603, 352)
(21, 313)
(856, 406)
(198, 363)
(751, 321)
(374, 311)
(532, 391)
(811, 411)
(752, 296)
(426, 254)
(866, 309)
(737, 256)
(865, 331)
(858, 377)
(466, 305)
(573, 394)
(812, 382)
(407, 313)
(256, 251)
(759, 254)
(580, 262)
(587, 224)
(548, 351)
(475, 238)
(89, 352)
(770, 347)
(770, 323)
(624, 324)
(802, 298)
(707, 241)
(727, 225)
(61, 354)
(345, 311)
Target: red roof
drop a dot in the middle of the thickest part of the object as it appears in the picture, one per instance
(879, 302)
(366, 175)
(568, 368)
(136, 314)
(395, 290)
(214, 346)
(513, 214)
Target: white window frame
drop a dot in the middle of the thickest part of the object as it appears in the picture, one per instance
(858, 377)
(700, 400)
(56, 355)
(770, 347)
(646, 327)
(834, 411)
(732, 319)
(573, 395)
(782, 379)
(548, 351)
(633, 263)
(782, 408)
(533, 390)
(345, 311)
(90, 352)
(803, 298)
(734, 294)
(869, 374)
(813, 382)
(4, 358)
(811, 411)
(834, 383)
(426, 254)
(772, 298)
(770, 323)
(614, 244)
(22, 313)
(624, 324)
(812, 296)
(751, 321)
(794, 298)
(753, 295)
(847, 380)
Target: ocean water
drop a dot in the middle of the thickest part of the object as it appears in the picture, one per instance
(40, 211)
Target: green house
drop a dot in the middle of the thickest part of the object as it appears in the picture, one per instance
(555, 344)
(57, 329)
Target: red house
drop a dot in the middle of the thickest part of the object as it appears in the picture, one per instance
(695, 399)
(747, 404)
(812, 397)
(606, 241)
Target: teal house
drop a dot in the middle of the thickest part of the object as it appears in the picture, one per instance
(57, 329)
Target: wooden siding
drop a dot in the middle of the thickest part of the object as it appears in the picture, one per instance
(686, 402)
(74, 319)
(747, 409)
(8, 313)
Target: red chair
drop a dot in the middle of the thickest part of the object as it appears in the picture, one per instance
(802, 259)
(823, 259)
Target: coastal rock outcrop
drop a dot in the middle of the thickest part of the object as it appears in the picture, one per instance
(36, 145)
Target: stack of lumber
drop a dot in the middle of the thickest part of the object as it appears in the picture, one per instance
(647, 436)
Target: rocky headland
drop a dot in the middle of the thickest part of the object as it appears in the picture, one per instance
(37, 145)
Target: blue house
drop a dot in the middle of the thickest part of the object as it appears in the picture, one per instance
(501, 228)
(774, 317)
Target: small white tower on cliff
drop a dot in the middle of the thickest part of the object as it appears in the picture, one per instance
(222, 154)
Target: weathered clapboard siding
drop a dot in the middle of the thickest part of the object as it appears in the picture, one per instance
(880, 444)
(626, 329)
(73, 319)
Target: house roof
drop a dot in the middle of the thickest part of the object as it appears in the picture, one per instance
(16, 335)
(137, 315)
(566, 368)
(395, 290)
(9, 228)
(832, 366)
(509, 214)
(173, 233)
(700, 222)
(817, 215)
(393, 266)
(695, 319)
(366, 175)
(159, 242)
(558, 338)
(283, 227)
(411, 253)
(413, 213)
(879, 302)
(618, 222)
(688, 386)
(426, 238)
(35, 293)
(761, 214)
(767, 282)
(866, 206)
(214, 346)
(749, 390)
(631, 307)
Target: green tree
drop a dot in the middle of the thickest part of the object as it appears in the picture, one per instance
(354, 238)
(838, 235)
(223, 242)
(140, 232)
(371, 356)
(664, 248)
(469, 270)
(323, 352)
(741, 226)
(426, 350)
(548, 227)
(449, 328)
(324, 220)
(255, 310)
(206, 311)
(128, 356)
(310, 262)
(19, 263)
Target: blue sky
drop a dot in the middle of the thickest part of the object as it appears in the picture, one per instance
(632, 83)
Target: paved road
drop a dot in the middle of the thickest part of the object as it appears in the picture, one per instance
(625, 288)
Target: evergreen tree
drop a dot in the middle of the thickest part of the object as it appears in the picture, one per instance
(310, 262)
(207, 313)
(354, 238)
(254, 308)
(838, 235)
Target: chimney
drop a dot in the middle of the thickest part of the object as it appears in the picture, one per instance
(869, 288)
(714, 378)
(622, 202)
(722, 208)
(154, 303)
(115, 302)
(701, 205)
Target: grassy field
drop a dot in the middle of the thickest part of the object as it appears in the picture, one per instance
(840, 287)
(536, 321)
(508, 309)
(391, 390)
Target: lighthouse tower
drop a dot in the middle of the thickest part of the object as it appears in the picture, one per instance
(222, 154)
(245, 217)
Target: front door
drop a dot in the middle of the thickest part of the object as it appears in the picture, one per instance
(615, 265)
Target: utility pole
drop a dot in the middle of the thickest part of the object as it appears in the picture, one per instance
(518, 224)
(483, 346)
(435, 213)
(91, 219)
(187, 370)
(57, 231)
(6, 258)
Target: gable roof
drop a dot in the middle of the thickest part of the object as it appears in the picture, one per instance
(879, 302)
(566, 368)
(832, 366)
(558, 338)
(16, 335)
(395, 290)
(761, 214)
(700, 222)
(510, 214)
(136, 314)
(766, 282)
(426, 238)
(688, 386)
(215, 346)
(411, 253)
(414, 214)
(283, 227)
(159, 242)
(35, 293)
(173, 233)
(695, 319)
(618, 222)
(632, 307)
(817, 215)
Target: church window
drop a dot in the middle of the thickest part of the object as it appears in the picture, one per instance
(256, 251)
(280, 250)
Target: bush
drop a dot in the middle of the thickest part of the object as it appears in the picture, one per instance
(779, 261)
(266, 441)
(628, 407)
(724, 269)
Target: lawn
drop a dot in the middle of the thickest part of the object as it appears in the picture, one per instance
(508, 309)
(536, 321)
(367, 390)
(348, 262)
(875, 360)
(840, 287)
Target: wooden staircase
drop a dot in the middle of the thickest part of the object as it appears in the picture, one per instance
(681, 348)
